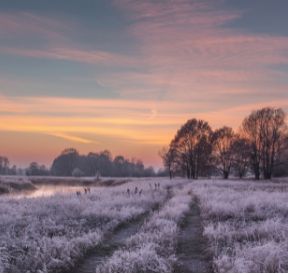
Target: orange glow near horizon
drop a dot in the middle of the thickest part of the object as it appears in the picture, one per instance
(128, 79)
(132, 128)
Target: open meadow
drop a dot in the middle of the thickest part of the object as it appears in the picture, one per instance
(246, 223)
(141, 136)
(54, 233)
(140, 226)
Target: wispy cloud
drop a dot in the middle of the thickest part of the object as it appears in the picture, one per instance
(55, 40)
(135, 120)
(25, 24)
(71, 138)
(69, 118)
(72, 54)
(186, 61)
(189, 49)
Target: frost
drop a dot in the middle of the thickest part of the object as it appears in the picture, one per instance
(51, 234)
(246, 224)
(152, 249)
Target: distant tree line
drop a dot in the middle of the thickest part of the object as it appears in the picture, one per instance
(33, 169)
(260, 147)
(71, 163)
(5, 168)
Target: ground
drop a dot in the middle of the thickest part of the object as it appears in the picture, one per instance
(246, 223)
(147, 225)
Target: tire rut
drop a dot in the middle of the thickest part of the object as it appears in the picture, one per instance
(114, 240)
(111, 242)
(192, 247)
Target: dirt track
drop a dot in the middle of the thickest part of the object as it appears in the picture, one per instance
(192, 252)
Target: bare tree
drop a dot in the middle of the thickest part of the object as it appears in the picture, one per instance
(241, 152)
(222, 140)
(35, 169)
(192, 147)
(4, 165)
(281, 163)
(265, 130)
(168, 156)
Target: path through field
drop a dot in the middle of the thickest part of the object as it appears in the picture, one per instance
(192, 247)
(113, 241)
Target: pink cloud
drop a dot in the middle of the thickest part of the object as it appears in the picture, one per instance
(55, 34)
(190, 52)
(186, 50)
(174, 12)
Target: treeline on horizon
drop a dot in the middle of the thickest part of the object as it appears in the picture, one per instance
(259, 148)
(71, 163)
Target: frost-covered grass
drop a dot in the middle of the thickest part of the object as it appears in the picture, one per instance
(152, 249)
(246, 223)
(53, 233)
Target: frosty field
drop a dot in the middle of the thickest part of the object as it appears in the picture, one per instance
(246, 223)
(54, 233)
(242, 226)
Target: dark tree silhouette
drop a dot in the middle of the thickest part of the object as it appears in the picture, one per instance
(4, 165)
(35, 169)
(265, 129)
(70, 163)
(168, 156)
(222, 140)
(192, 147)
(241, 152)
(281, 163)
(64, 164)
(261, 146)
(121, 166)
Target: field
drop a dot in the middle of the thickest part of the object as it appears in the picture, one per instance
(149, 225)
(246, 224)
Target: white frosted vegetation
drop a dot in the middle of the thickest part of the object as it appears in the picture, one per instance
(246, 223)
(52, 233)
(152, 249)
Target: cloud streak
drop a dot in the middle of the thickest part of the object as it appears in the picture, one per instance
(189, 48)
(186, 60)
(72, 54)
(29, 25)
(71, 138)
(55, 37)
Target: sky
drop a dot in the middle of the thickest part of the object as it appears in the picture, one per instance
(125, 75)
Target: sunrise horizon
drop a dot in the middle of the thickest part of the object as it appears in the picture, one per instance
(125, 75)
(143, 136)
